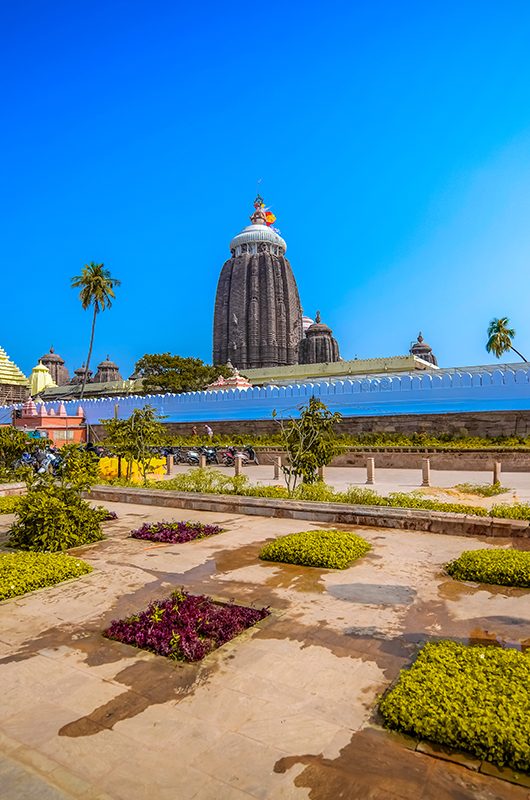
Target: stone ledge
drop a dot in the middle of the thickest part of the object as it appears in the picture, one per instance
(8, 489)
(377, 516)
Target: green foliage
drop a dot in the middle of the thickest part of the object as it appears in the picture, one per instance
(501, 567)
(135, 438)
(13, 443)
(8, 504)
(164, 372)
(482, 489)
(500, 337)
(25, 572)
(53, 517)
(330, 549)
(513, 511)
(309, 442)
(471, 698)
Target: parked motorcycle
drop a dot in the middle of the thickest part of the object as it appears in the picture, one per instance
(228, 456)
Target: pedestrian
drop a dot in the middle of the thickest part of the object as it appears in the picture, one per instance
(194, 431)
(209, 432)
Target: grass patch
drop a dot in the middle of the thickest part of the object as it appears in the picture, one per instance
(8, 504)
(501, 567)
(471, 698)
(175, 532)
(481, 489)
(330, 549)
(25, 572)
(184, 627)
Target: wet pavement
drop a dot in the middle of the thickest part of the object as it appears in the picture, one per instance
(286, 710)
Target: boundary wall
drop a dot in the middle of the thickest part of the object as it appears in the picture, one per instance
(477, 389)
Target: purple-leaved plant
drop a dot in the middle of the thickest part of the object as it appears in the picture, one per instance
(175, 532)
(185, 627)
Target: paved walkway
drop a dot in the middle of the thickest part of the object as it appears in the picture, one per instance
(285, 711)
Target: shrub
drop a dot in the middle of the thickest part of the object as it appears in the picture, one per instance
(175, 532)
(502, 567)
(330, 549)
(8, 504)
(482, 489)
(473, 698)
(25, 572)
(514, 511)
(185, 627)
(105, 515)
(54, 518)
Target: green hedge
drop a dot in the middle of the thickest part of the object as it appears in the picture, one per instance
(482, 489)
(8, 504)
(330, 549)
(501, 567)
(470, 698)
(25, 572)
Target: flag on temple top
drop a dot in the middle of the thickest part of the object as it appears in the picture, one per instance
(269, 218)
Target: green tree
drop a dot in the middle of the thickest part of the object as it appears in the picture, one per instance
(500, 337)
(310, 442)
(136, 438)
(97, 290)
(164, 372)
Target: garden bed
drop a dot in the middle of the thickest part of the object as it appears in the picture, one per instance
(500, 567)
(9, 503)
(184, 627)
(471, 698)
(175, 532)
(24, 572)
(330, 549)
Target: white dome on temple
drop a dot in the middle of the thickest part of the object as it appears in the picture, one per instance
(257, 233)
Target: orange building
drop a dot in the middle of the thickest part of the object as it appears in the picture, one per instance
(56, 425)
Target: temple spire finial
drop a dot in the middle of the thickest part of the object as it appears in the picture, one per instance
(317, 317)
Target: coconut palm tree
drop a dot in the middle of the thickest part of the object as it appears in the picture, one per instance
(500, 338)
(97, 289)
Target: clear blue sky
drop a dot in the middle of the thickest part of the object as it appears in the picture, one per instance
(393, 140)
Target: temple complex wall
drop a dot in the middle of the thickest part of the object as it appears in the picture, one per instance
(441, 401)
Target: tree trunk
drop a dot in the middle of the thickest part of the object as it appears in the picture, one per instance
(89, 356)
(518, 353)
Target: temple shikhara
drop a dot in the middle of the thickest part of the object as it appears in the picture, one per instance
(258, 319)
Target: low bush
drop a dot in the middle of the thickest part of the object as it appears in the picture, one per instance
(184, 627)
(514, 511)
(9, 503)
(175, 532)
(472, 698)
(52, 519)
(502, 567)
(482, 489)
(105, 515)
(25, 572)
(330, 549)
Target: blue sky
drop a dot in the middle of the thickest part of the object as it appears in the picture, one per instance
(392, 140)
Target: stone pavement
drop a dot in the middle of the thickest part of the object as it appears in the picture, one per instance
(287, 710)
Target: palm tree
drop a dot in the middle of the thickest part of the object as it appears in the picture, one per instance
(500, 338)
(97, 290)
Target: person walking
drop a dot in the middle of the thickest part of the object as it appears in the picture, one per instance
(209, 432)
(194, 431)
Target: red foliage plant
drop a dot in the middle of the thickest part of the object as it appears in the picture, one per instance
(175, 532)
(185, 627)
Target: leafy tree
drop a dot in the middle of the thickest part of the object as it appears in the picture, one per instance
(163, 372)
(500, 338)
(97, 289)
(310, 442)
(136, 438)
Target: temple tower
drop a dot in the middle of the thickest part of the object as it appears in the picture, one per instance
(258, 318)
(318, 346)
(56, 367)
